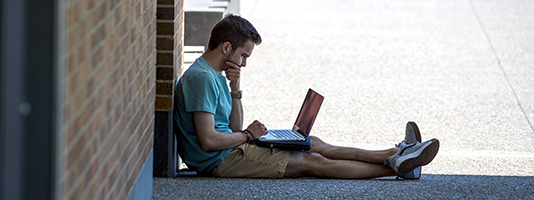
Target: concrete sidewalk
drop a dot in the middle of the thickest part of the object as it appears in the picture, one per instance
(428, 187)
(463, 70)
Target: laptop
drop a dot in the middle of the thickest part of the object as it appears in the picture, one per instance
(297, 138)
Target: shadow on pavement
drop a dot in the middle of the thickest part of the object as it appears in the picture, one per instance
(429, 186)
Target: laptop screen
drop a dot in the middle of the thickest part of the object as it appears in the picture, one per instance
(308, 111)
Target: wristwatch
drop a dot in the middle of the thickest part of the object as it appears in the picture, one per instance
(237, 95)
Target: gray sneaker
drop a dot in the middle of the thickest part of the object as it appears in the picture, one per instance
(412, 156)
(412, 136)
(412, 133)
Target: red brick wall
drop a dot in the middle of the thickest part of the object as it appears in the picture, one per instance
(170, 32)
(110, 81)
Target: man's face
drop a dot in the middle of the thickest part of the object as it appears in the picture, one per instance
(240, 55)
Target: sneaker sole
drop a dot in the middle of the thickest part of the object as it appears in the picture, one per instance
(425, 156)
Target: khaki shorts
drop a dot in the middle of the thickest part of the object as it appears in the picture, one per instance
(251, 161)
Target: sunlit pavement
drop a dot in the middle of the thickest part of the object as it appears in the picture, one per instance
(462, 70)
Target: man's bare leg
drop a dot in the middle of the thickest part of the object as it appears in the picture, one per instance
(314, 164)
(349, 153)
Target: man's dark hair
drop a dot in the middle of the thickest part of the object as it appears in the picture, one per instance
(233, 29)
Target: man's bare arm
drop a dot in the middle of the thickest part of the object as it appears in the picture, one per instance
(236, 117)
(212, 140)
(233, 73)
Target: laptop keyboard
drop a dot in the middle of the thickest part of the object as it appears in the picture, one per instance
(287, 135)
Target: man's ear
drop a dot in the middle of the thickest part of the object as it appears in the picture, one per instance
(226, 48)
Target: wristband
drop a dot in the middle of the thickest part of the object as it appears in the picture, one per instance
(247, 131)
(237, 95)
(246, 135)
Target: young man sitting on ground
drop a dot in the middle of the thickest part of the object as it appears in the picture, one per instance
(209, 116)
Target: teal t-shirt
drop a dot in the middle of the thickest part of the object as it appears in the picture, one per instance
(201, 88)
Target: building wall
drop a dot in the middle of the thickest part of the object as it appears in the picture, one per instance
(109, 99)
(170, 34)
(169, 45)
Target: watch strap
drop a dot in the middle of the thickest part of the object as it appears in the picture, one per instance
(237, 95)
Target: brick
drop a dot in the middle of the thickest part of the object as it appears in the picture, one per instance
(171, 2)
(165, 28)
(166, 58)
(166, 13)
(164, 88)
(164, 73)
(166, 43)
(164, 103)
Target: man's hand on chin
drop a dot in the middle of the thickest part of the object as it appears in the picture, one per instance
(233, 73)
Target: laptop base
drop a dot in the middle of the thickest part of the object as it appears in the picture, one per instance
(287, 145)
